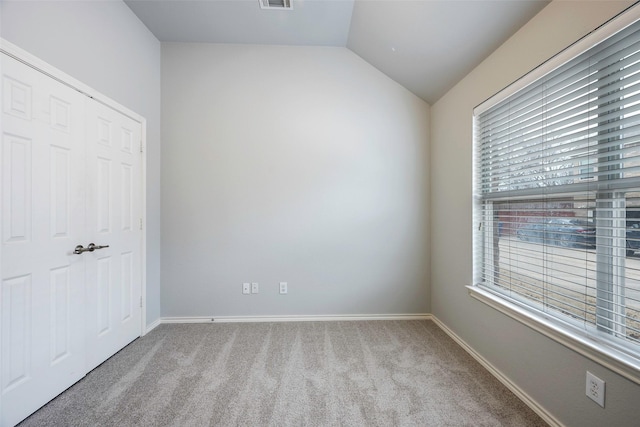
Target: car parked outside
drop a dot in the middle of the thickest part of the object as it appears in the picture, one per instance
(565, 232)
(633, 238)
(572, 232)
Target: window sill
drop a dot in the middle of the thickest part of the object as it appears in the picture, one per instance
(571, 337)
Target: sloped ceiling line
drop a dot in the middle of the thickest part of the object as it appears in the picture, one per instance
(427, 46)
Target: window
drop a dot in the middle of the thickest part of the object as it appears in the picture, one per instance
(557, 196)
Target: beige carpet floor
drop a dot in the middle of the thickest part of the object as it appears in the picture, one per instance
(357, 373)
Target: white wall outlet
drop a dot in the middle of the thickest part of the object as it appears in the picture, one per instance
(255, 288)
(246, 288)
(595, 389)
(283, 287)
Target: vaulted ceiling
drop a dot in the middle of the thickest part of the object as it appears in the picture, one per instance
(425, 45)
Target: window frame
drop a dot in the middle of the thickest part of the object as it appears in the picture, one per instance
(594, 346)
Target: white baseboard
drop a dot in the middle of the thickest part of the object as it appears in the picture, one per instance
(318, 318)
(150, 327)
(543, 413)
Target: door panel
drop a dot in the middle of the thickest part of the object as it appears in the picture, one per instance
(16, 165)
(114, 209)
(42, 282)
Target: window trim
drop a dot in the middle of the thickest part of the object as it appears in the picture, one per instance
(568, 335)
(572, 337)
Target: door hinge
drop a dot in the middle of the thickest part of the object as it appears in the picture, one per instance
(140, 302)
(140, 223)
(141, 146)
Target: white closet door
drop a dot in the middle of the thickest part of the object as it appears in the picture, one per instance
(114, 211)
(71, 172)
(43, 219)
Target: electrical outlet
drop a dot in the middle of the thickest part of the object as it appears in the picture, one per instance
(283, 287)
(595, 389)
(246, 288)
(254, 288)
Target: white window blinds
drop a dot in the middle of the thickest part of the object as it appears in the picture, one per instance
(557, 193)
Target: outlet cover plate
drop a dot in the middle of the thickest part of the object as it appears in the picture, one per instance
(255, 288)
(595, 389)
(283, 287)
(246, 288)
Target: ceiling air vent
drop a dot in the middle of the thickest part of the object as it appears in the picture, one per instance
(276, 4)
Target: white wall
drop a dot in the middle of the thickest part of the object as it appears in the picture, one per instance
(550, 373)
(104, 45)
(297, 164)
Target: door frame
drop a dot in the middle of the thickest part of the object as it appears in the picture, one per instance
(47, 69)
